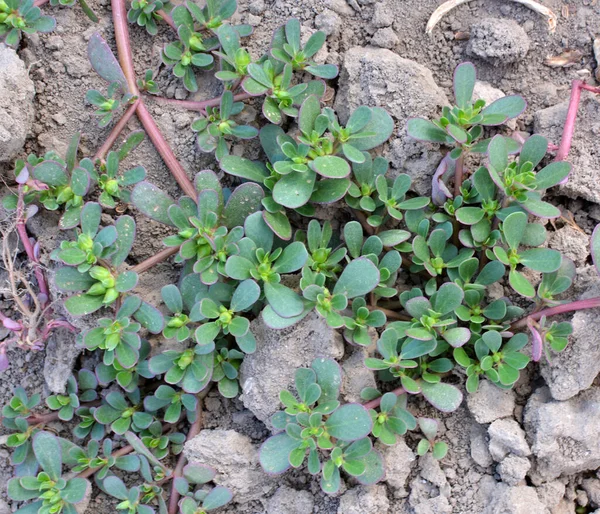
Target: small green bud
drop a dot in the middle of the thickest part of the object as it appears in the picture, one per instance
(3, 6)
(186, 59)
(97, 289)
(99, 273)
(112, 187)
(112, 341)
(196, 43)
(110, 296)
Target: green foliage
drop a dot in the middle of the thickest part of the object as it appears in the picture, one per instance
(438, 449)
(111, 184)
(21, 16)
(145, 13)
(217, 124)
(107, 106)
(147, 84)
(316, 421)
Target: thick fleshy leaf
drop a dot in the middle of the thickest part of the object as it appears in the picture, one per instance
(276, 322)
(359, 277)
(381, 124)
(150, 318)
(498, 154)
(279, 223)
(274, 453)
(69, 279)
(285, 302)
(245, 295)
(46, 448)
(152, 201)
(125, 226)
(331, 166)
(442, 396)
(552, 175)
(539, 208)
(508, 106)
(448, 297)
(310, 109)
(104, 61)
(244, 168)
(295, 189)
(464, 82)
(349, 423)
(293, 257)
(51, 173)
(513, 228)
(217, 497)
(541, 259)
(330, 190)
(457, 337)
(83, 304)
(534, 149)
(520, 284)
(424, 130)
(245, 200)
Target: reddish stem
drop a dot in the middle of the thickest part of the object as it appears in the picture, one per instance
(155, 259)
(373, 404)
(589, 303)
(126, 60)
(22, 231)
(167, 19)
(193, 432)
(458, 174)
(116, 131)
(201, 105)
(39, 3)
(569, 129)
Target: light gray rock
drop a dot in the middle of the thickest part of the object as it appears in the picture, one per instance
(16, 104)
(507, 436)
(356, 376)
(490, 403)
(235, 460)
(383, 15)
(4, 508)
(514, 500)
(592, 487)
(279, 353)
(364, 500)
(485, 91)
(405, 88)
(564, 435)
(329, 22)
(575, 368)
(573, 244)
(551, 493)
(61, 354)
(513, 469)
(498, 41)
(399, 460)
(430, 470)
(385, 38)
(479, 446)
(585, 181)
(290, 501)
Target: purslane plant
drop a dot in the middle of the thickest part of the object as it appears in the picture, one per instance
(241, 250)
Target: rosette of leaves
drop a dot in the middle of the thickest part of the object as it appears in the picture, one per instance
(360, 277)
(393, 419)
(519, 182)
(216, 125)
(399, 359)
(92, 242)
(131, 500)
(321, 258)
(315, 421)
(362, 193)
(273, 79)
(148, 84)
(378, 249)
(191, 369)
(258, 260)
(557, 282)
(178, 325)
(233, 58)
(461, 125)
(209, 231)
(122, 414)
(225, 373)
(56, 183)
(210, 17)
(127, 378)
(88, 425)
(118, 338)
(112, 185)
(107, 105)
(287, 47)
(357, 326)
(554, 336)
(145, 13)
(18, 16)
(173, 402)
(200, 499)
(161, 444)
(538, 259)
(49, 490)
(438, 449)
(66, 404)
(92, 458)
(103, 285)
(499, 361)
(223, 320)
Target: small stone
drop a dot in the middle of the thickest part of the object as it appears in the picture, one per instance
(16, 104)
(485, 91)
(490, 403)
(592, 487)
(255, 21)
(265, 373)
(340, 7)
(564, 435)
(61, 354)
(507, 436)
(513, 469)
(479, 446)
(4, 507)
(328, 22)
(514, 500)
(257, 7)
(498, 41)
(399, 460)
(385, 38)
(551, 493)
(60, 118)
(572, 243)
(364, 500)
(383, 15)
(290, 501)
(235, 460)
(356, 376)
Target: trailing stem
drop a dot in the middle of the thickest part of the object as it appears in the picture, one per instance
(373, 404)
(116, 131)
(589, 303)
(201, 105)
(155, 259)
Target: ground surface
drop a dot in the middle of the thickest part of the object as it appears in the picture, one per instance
(525, 461)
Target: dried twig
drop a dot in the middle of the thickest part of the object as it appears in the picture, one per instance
(446, 7)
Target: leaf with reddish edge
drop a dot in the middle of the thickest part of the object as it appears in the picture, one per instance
(104, 61)
(152, 201)
(244, 200)
(276, 322)
(439, 190)
(330, 190)
(507, 106)
(279, 224)
(274, 453)
(126, 236)
(442, 396)
(150, 318)
(464, 83)
(537, 343)
(375, 469)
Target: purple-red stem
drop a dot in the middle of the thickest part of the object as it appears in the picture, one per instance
(116, 131)
(569, 129)
(126, 59)
(155, 259)
(167, 19)
(373, 404)
(22, 231)
(199, 105)
(458, 174)
(589, 303)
